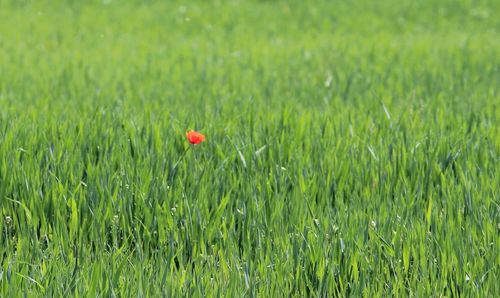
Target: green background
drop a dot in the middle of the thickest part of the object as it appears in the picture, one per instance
(352, 148)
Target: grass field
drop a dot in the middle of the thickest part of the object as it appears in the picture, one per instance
(353, 148)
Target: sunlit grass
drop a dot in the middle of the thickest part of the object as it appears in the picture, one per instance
(351, 148)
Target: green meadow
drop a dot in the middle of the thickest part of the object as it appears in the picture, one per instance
(352, 148)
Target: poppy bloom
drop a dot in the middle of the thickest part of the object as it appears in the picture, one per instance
(195, 137)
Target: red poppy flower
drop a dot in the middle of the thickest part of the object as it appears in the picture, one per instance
(195, 137)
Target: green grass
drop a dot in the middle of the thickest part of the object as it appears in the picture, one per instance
(353, 148)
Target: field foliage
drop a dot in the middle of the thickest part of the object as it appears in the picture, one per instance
(353, 148)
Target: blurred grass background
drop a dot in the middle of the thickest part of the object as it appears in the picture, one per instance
(352, 148)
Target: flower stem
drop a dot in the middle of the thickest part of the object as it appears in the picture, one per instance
(173, 171)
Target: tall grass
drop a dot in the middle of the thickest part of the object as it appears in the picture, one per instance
(352, 148)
